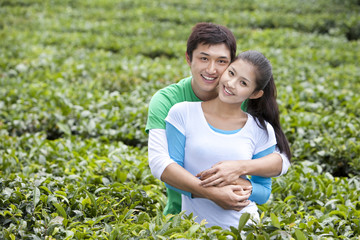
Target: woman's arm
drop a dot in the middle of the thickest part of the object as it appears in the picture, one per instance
(225, 172)
(271, 165)
(261, 186)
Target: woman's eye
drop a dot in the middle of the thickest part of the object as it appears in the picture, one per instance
(231, 73)
(243, 83)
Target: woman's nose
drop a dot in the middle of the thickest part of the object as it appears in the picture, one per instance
(231, 83)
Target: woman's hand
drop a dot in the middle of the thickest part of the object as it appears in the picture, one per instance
(221, 174)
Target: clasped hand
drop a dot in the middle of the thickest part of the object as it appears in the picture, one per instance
(230, 197)
(232, 192)
(221, 174)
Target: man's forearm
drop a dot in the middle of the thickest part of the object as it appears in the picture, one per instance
(178, 177)
(228, 197)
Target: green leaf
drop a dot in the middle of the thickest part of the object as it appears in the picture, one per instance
(329, 190)
(36, 197)
(260, 237)
(57, 221)
(121, 175)
(274, 220)
(93, 201)
(114, 233)
(299, 235)
(193, 229)
(164, 229)
(234, 231)
(99, 219)
(172, 230)
(338, 213)
(331, 202)
(288, 198)
(64, 128)
(61, 210)
(46, 189)
(243, 220)
(250, 237)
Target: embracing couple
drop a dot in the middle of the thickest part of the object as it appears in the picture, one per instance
(209, 131)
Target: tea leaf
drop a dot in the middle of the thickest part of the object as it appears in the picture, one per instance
(61, 210)
(299, 235)
(274, 220)
(36, 197)
(243, 220)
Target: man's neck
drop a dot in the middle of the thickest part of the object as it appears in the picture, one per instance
(205, 96)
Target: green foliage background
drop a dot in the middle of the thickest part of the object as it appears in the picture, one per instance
(76, 78)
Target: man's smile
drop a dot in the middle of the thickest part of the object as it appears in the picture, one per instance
(208, 78)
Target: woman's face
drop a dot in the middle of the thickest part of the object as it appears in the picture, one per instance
(238, 83)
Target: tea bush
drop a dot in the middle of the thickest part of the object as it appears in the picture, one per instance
(76, 78)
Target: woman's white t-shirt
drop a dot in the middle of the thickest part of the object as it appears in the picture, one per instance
(204, 147)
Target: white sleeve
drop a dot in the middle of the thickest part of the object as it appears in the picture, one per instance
(158, 153)
(264, 138)
(177, 116)
(285, 162)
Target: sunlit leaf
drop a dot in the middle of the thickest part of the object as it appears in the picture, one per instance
(274, 220)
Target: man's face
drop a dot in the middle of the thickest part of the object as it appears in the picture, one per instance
(207, 65)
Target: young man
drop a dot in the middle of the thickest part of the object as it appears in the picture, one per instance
(210, 49)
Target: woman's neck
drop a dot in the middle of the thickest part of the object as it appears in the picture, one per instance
(224, 116)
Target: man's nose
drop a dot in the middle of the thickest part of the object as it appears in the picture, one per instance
(211, 69)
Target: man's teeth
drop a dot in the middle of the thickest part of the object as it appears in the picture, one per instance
(227, 91)
(209, 78)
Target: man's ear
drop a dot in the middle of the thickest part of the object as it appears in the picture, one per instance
(257, 94)
(188, 59)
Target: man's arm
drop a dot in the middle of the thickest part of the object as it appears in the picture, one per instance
(158, 153)
(261, 189)
(227, 197)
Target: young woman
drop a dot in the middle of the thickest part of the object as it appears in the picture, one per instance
(200, 134)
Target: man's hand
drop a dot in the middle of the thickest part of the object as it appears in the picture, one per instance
(221, 174)
(230, 197)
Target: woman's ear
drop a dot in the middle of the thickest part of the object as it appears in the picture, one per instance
(257, 94)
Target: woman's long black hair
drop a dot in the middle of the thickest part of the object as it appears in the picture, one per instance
(265, 108)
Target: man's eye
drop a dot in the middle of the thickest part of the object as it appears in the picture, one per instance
(203, 58)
